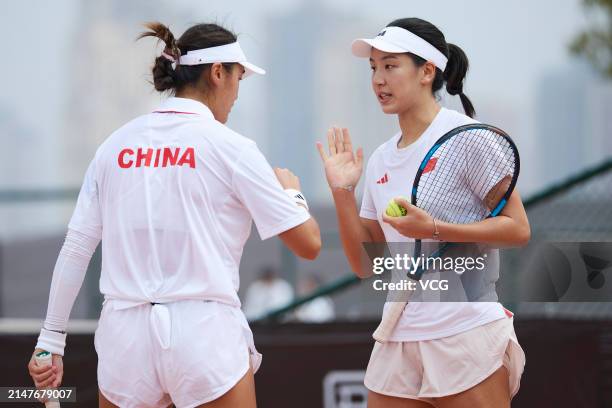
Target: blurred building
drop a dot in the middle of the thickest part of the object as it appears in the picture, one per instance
(574, 121)
(108, 83)
(55, 114)
(316, 83)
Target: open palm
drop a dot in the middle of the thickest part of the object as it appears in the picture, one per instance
(342, 167)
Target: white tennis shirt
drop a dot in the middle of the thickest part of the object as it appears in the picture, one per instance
(172, 194)
(390, 173)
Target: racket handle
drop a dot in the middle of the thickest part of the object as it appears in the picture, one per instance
(383, 332)
(44, 359)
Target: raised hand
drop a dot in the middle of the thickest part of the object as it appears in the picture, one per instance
(342, 167)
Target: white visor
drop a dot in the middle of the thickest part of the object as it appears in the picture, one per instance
(398, 40)
(222, 53)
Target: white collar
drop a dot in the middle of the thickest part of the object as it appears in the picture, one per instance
(184, 105)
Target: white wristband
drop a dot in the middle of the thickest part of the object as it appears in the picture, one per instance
(297, 196)
(51, 341)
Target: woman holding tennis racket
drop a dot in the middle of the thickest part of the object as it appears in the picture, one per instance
(452, 354)
(172, 195)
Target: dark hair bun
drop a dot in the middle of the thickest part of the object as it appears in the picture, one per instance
(168, 77)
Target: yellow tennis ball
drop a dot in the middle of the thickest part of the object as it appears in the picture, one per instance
(395, 210)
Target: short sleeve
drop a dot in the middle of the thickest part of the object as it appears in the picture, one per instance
(367, 205)
(87, 218)
(489, 161)
(257, 187)
(368, 209)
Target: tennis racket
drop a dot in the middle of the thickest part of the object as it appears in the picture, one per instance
(467, 176)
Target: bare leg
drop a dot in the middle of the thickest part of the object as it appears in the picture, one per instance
(104, 403)
(376, 400)
(493, 392)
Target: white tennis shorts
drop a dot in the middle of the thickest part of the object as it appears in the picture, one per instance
(437, 368)
(187, 352)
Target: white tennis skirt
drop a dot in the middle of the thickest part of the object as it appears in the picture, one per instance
(187, 352)
(446, 366)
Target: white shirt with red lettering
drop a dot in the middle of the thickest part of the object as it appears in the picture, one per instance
(172, 194)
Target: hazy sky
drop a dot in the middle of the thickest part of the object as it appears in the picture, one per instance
(528, 36)
(511, 46)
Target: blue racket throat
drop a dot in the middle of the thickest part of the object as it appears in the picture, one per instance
(499, 207)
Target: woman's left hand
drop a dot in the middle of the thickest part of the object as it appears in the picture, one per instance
(415, 224)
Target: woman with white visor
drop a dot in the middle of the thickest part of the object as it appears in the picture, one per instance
(449, 354)
(172, 195)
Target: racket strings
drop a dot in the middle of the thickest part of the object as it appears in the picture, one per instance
(480, 178)
(429, 198)
(471, 166)
(458, 162)
(445, 202)
(504, 164)
(498, 156)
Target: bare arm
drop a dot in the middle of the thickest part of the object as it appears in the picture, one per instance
(509, 229)
(303, 240)
(355, 231)
(343, 169)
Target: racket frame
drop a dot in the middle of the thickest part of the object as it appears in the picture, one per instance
(494, 212)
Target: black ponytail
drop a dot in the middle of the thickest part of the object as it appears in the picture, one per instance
(454, 74)
(456, 67)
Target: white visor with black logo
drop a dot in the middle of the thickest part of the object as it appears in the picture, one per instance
(398, 40)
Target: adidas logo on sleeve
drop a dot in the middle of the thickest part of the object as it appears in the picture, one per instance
(384, 179)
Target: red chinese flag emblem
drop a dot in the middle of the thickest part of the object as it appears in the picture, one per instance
(431, 164)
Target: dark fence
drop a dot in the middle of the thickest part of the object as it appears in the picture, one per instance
(569, 363)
